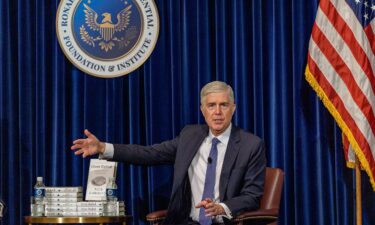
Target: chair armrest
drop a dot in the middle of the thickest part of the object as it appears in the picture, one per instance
(156, 216)
(260, 216)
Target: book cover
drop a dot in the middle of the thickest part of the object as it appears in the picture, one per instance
(99, 173)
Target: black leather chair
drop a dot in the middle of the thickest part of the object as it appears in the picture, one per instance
(267, 214)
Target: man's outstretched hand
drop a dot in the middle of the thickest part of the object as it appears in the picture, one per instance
(88, 146)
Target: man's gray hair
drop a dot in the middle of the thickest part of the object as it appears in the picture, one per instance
(217, 87)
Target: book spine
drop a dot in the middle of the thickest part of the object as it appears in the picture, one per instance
(67, 200)
(64, 194)
(96, 203)
(63, 189)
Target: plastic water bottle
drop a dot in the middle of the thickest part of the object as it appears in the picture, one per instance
(38, 200)
(39, 190)
(111, 193)
(111, 190)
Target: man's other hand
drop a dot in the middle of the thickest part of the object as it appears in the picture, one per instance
(211, 208)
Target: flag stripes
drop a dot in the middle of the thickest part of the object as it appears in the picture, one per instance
(340, 68)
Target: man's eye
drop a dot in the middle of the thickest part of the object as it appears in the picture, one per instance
(224, 106)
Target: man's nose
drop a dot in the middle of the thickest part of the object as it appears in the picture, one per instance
(218, 109)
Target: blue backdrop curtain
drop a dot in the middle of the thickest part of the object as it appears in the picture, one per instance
(259, 47)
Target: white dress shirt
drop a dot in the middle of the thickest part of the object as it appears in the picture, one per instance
(197, 171)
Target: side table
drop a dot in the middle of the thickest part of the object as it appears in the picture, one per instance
(81, 220)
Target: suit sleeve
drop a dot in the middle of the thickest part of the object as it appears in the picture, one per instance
(157, 154)
(251, 187)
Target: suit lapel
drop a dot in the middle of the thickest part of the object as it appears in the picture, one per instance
(190, 150)
(229, 159)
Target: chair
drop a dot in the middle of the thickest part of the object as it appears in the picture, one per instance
(268, 212)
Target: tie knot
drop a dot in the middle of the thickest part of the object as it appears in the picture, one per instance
(215, 141)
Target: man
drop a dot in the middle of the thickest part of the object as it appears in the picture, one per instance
(233, 160)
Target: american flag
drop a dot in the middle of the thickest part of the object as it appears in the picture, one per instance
(340, 68)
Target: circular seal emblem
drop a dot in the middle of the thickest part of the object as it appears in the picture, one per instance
(107, 38)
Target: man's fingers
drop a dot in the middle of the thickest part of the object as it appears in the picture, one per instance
(213, 209)
(208, 200)
(210, 207)
(76, 146)
(204, 203)
(199, 205)
(79, 141)
(89, 134)
(78, 152)
(85, 154)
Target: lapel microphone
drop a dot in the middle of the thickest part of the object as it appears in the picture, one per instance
(209, 160)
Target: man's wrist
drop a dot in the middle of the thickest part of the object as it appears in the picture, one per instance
(227, 213)
(101, 147)
(108, 151)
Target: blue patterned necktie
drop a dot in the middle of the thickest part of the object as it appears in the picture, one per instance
(209, 184)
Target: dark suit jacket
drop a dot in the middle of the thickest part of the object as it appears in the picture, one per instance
(241, 179)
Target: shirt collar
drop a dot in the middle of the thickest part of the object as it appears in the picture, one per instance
(224, 137)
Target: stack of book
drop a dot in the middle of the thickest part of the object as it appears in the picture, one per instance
(99, 208)
(68, 201)
(90, 208)
(62, 201)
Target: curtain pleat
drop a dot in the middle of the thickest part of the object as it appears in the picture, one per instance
(259, 47)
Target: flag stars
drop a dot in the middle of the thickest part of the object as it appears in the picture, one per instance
(366, 4)
(357, 1)
(373, 7)
(365, 16)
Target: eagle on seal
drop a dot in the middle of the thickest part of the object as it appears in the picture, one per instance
(107, 28)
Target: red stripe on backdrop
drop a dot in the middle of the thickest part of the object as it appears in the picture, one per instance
(345, 74)
(370, 36)
(348, 36)
(339, 106)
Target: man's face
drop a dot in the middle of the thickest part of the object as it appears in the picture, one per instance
(217, 111)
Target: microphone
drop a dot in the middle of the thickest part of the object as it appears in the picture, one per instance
(209, 160)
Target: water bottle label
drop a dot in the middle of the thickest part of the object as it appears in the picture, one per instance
(111, 192)
(39, 192)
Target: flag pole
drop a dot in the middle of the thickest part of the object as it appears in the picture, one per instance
(358, 194)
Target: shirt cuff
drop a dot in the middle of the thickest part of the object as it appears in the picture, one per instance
(228, 213)
(108, 151)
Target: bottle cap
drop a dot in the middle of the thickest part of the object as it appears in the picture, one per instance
(39, 179)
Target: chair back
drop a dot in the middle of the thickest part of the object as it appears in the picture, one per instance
(273, 185)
